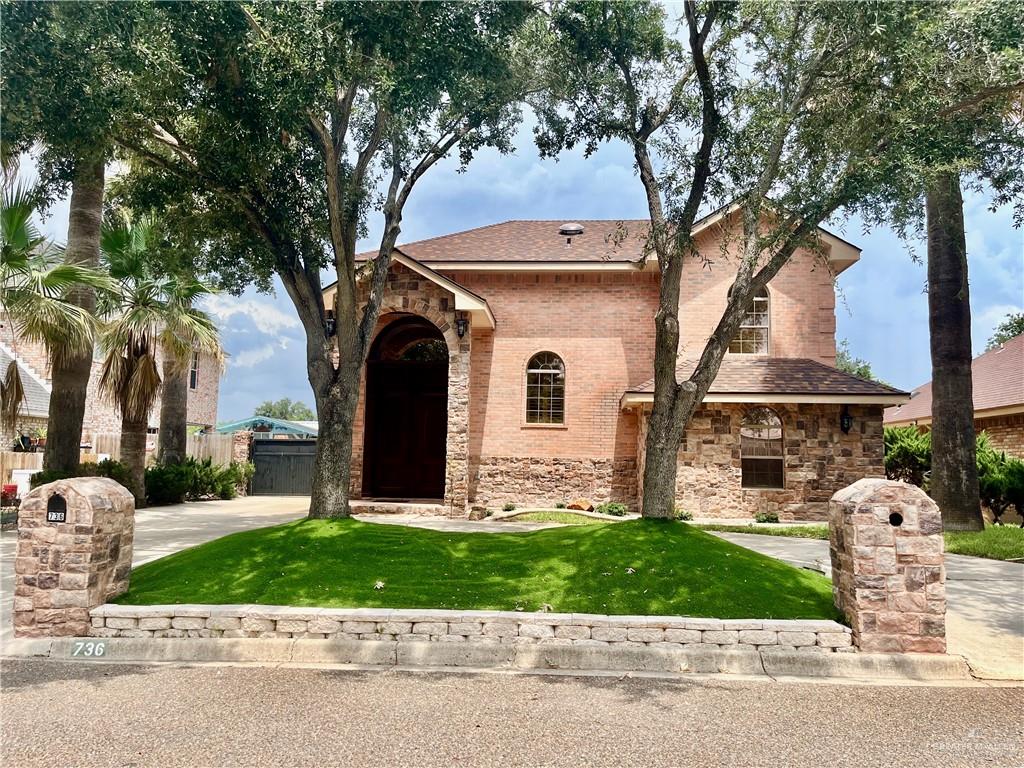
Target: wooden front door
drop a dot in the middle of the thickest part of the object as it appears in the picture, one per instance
(406, 429)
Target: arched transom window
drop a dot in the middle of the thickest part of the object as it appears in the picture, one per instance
(545, 389)
(752, 337)
(761, 449)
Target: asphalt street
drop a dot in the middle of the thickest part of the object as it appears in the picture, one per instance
(81, 714)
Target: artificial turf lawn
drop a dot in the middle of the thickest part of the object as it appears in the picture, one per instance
(636, 567)
(557, 516)
(996, 542)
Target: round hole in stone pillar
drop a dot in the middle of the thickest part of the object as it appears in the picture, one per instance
(896, 519)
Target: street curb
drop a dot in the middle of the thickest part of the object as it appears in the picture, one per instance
(501, 656)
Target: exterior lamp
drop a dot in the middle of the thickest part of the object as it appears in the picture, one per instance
(461, 326)
(845, 420)
(330, 324)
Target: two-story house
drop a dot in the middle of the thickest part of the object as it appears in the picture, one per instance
(101, 415)
(513, 363)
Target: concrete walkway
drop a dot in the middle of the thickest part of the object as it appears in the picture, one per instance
(985, 601)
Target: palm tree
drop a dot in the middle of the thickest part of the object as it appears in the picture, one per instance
(35, 291)
(149, 312)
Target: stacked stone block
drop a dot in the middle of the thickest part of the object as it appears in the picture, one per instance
(887, 566)
(63, 569)
(488, 627)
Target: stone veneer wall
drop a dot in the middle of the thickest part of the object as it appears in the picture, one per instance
(196, 621)
(819, 460)
(539, 481)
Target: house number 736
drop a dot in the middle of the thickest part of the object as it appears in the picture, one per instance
(89, 649)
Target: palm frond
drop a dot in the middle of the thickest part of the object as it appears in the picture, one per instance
(12, 396)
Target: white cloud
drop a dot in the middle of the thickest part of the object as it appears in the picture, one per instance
(249, 358)
(264, 315)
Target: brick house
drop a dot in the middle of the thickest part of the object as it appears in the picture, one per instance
(512, 363)
(998, 386)
(101, 416)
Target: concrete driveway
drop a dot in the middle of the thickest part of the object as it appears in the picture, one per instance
(985, 601)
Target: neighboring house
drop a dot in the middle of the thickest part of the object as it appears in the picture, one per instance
(998, 386)
(512, 363)
(101, 416)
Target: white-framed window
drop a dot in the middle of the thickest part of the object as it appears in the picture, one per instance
(752, 337)
(193, 373)
(762, 457)
(545, 389)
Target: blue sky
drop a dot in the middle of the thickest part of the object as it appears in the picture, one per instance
(882, 309)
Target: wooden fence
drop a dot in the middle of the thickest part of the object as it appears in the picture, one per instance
(215, 447)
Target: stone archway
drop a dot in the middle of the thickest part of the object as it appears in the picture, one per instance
(408, 293)
(406, 419)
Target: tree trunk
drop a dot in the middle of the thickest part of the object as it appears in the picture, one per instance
(133, 456)
(171, 448)
(954, 478)
(71, 371)
(332, 468)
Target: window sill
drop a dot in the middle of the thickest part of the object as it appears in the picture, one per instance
(526, 425)
(762, 488)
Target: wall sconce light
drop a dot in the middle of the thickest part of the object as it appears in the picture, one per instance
(330, 324)
(845, 420)
(461, 326)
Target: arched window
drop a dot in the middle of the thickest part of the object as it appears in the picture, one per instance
(761, 449)
(545, 389)
(752, 337)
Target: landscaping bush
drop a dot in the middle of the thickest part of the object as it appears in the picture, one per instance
(559, 505)
(115, 470)
(193, 479)
(1000, 480)
(508, 506)
(683, 514)
(613, 508)
(908, 454)
(766, 517)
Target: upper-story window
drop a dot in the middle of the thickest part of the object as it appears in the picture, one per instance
(761, 449)
(193, 373)
(545, 389)
(752, 337)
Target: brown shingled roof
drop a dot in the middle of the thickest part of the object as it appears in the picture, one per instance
(779, 376)
(531, 240)
(998, 382)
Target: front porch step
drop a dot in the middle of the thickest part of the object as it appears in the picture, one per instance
(388, 507)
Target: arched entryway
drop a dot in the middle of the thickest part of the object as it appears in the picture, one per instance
(406, 424)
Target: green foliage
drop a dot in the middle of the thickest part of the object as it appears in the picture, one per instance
(557, 516)
(560, 505)
(1010, 328)
(508, 506)
(115, 470)
(855, 366)
(683, 514)
(635, 567)
(1000, 480)
(996, 542)
(908, 454)
(286, 409)
(613, 508)
(766, 517)
(193, 480)
(819, 532)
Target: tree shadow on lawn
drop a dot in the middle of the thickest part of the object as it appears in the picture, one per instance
(638, 567)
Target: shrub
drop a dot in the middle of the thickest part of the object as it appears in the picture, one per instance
(115, 470)
(612, 508)
(683, 514)
(1000, 480)
(167, 483)
(559, 505)
(908, 454)
(193, 479)
(508, 506)
(766, 517)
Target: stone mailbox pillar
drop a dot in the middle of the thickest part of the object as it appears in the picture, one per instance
(888, 577)
(74, 553)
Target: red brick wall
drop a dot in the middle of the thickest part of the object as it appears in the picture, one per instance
(1005, 432)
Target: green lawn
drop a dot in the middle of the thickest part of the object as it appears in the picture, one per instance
(996, 542)
(558, 516)
(792, 531)
(636, 567)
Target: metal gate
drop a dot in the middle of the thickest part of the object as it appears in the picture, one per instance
(283, 467)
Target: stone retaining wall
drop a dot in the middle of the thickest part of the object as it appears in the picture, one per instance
(268, 621)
